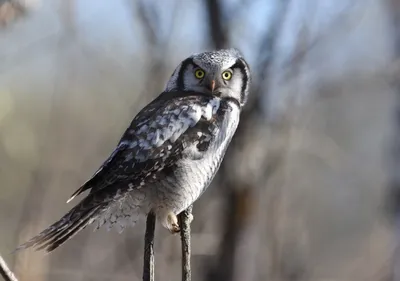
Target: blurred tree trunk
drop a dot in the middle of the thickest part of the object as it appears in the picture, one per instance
(247, 166)
(394, 187)
(219, 36)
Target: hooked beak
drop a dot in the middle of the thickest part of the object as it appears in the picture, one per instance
(212, 85)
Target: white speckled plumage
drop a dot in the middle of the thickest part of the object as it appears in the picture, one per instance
(169, 154)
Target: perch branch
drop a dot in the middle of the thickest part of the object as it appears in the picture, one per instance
(148, 260)
(5, 271)
(184, 221)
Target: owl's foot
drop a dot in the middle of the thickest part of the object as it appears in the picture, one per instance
(191, 218)
(170, 222)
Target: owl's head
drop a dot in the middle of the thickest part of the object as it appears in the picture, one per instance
(222, 73)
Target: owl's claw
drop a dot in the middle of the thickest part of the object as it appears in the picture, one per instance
(172, 223)
(191, 218)
(175, 229)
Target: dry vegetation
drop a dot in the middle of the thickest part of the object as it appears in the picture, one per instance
(302, 193)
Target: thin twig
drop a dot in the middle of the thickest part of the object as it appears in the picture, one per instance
(5, 271)
(184, 219)
(148, 260)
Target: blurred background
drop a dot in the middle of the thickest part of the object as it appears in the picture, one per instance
(310, 187)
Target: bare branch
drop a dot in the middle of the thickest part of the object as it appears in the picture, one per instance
(300, 53)
(156, 43)
(147, 17)
(266, 54)
(184, 219)
(5, 271)
(148, 260)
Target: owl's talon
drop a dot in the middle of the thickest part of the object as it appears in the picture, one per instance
(190, 218)
(171, 223)
(175, 229)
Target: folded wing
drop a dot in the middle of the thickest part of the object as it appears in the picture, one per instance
(150, 143)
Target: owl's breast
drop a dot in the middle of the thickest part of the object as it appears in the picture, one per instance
(195, 171)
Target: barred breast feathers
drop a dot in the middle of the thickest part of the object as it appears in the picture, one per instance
(218, 134)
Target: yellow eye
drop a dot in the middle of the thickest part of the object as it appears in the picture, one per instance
(199, 73)
(227, 75)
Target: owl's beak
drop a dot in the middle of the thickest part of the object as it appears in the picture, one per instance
(212, 85)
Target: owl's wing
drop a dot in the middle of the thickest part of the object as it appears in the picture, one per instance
(154, 140)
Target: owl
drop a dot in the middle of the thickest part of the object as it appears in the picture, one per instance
(168, 155)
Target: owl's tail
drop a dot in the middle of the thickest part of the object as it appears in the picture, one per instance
(64, 229)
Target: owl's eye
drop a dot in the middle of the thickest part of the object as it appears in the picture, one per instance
(226, 75)
(199, 73)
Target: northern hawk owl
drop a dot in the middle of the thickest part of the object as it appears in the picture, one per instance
(168, 155)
